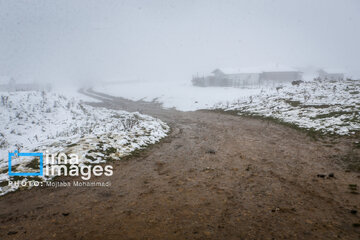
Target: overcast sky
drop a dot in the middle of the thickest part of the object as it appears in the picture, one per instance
(171, 40)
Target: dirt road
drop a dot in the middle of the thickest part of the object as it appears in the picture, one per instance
(216, 176)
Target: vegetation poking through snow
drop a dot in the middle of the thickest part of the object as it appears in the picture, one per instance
(329, 107)
(52, 123)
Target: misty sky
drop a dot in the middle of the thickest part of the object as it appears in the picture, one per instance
(73, 40)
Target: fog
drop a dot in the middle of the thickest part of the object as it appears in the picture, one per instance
(91, 41)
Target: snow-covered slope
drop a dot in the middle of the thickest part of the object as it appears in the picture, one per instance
(329, 107)
(40, 121)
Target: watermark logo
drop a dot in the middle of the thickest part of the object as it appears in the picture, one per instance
(60, 164)
(17, 154)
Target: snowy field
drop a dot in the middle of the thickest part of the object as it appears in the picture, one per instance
(40, 122)
(182, 96)
(329, 107)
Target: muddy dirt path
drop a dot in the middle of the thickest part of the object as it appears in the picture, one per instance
(216, 176)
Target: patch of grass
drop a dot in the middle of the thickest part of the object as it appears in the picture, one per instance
(135, 153)
(110, 150)
(293, 103)
(109, 159)
(17, 178)
(34, 164)
(90, 157)
(4, 184)
(332, 114)
(100, 145)
(317, 106)
(299, 104)
(13, 168)
(72, 145)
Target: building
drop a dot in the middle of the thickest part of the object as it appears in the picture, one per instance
(330, 75)
(227, 78)
(280, 76)
(236, 78)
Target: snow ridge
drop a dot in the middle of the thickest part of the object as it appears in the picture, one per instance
(331, 107)
(49, 122)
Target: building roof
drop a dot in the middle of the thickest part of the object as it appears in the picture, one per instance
(266, 68)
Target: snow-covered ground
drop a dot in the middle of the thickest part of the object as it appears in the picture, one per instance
(40, 121)
(182, 96)
(329, 107)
